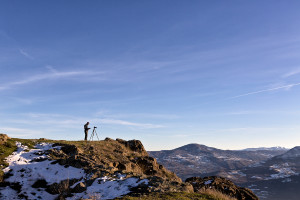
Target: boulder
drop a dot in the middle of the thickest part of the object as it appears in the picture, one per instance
(107, 139)
(134, 145)
(3, 138)
(187, 187)
(58, 188)
(70, 150)
(147, 164)
(223, 185)
(61, 188)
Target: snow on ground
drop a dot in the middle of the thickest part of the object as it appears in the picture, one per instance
(234, 159)
(256, 164)
(27, 166)
(108, 188)
(283, 171)
(237, 172)
(208, 182)
(257, 177)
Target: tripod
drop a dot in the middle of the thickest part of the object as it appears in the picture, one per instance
(93, 134)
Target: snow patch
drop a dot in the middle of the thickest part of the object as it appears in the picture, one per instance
(109, 188)
(208, 182)
(283, 171)
(28, 166)
(237, 172)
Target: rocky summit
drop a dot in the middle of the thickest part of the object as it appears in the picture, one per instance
(107, 169)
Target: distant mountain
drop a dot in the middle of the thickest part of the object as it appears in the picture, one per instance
(267, 149)
(194, 159)
(276, 178)
(293, 153)
(272, 173)
(278, 167)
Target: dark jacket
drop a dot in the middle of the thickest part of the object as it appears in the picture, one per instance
(86, 127)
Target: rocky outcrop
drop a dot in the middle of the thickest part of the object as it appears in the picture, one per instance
(3, 138)
(134, 145)
(150, 166)
(223, 185)
(111, 156)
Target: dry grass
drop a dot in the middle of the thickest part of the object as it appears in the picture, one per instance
(6, 150)
(205, 195)
(216, 194)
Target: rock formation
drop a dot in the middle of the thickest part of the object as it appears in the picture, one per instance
(3, 138)
(223, 185)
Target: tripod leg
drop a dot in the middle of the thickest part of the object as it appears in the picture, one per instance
(92, 135)
(97, 136)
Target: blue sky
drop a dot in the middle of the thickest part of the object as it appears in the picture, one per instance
(221, 73)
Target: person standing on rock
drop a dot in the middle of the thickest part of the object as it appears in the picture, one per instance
(86, 130)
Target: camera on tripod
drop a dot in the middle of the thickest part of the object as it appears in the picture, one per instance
(93, 134)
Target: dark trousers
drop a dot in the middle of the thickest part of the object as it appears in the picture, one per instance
(86, 134)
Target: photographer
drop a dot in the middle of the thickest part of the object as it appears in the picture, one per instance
(86, 130)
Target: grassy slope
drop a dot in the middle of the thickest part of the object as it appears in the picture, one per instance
(5, 150)
(171, 196)
(208, 195)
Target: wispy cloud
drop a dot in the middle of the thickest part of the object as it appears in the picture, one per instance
(19, 132)
(245, 112)
(53, 74)
(292, 73)
(127, 123)
(24, 53)
(69, 121)
(107, 114)
(267, 90)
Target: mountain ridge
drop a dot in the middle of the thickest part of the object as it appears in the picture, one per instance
(292, 153)
(194, 157)
(265, 148)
